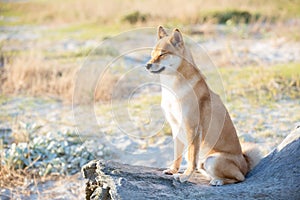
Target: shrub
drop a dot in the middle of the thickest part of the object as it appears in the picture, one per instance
(235, 16)
(135, 17)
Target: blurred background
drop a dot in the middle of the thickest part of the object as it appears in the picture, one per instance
(253, 47)
(48, 38)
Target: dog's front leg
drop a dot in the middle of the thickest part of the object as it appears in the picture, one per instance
(178, 151)
(193, 150)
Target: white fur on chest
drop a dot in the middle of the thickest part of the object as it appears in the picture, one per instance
(174, 104)
(173, 111)
(172, 107)
(170, 101)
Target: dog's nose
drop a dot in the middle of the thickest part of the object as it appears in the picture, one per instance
(149, 65)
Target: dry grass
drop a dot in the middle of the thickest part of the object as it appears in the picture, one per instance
(19, 181)
(33, 75)
(191, 11)
(105, 90)
(12, 179)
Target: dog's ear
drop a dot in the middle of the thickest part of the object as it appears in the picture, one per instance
(176, 38)
(161, 32)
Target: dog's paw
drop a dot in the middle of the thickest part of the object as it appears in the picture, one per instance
(216, 182)
(170, 171)
(176, 176)
(181, 177)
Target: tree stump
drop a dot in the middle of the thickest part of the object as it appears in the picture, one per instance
(277, 176)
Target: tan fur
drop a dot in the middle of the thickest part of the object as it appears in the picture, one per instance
(252, 154)
(198, 118)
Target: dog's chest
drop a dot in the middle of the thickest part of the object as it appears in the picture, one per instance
(171, 106)
(173, 100)
(175, 111)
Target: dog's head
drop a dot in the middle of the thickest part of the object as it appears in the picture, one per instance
(167, 55)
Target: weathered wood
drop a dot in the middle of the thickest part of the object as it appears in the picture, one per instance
(277, 176)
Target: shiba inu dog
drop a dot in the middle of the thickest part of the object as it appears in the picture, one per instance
(197, 116)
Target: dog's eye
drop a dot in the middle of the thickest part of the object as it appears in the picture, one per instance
(162, 55)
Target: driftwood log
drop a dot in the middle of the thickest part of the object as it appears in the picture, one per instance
(277, 176)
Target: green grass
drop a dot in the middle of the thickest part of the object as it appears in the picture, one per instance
(7, 11)
(83, 31)
(262, 84)
(4, 98)
(4, 116)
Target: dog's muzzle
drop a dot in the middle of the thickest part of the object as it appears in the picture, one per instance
(149, 65)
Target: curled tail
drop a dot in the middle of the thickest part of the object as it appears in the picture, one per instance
(252, 155)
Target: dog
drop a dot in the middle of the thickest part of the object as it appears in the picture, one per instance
(197, 116)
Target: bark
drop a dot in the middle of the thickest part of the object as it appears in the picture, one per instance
(277, 176)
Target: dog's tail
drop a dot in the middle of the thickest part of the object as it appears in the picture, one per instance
(252, 155)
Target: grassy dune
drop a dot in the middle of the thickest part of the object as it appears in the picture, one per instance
(93, 17)
(111, 12)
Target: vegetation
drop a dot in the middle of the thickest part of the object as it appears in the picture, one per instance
(34, 157)
(262, 83)
(235, 16)
(94, 18)
(36, 76)
(135, 17)
(57, 12)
